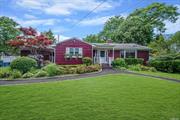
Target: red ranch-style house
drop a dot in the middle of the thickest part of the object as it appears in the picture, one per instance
(71, 51)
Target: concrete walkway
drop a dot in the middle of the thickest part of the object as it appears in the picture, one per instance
(73, 77)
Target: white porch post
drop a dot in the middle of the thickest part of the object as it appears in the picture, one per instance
(113, 53)
(135, 53)
(124, 53)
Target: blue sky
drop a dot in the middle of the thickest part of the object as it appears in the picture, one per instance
(62, 16)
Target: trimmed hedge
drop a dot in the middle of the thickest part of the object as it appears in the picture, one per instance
(52, 69)
(166, 65)
(134, 61)
(87, 61)
(23, 64)
(119, 62)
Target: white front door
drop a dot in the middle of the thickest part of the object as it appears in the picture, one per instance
(103, 56)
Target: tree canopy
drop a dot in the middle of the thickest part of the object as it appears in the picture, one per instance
(8, 31)
(49, 34)
(139, 26)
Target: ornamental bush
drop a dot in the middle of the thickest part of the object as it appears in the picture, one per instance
(15, 74)
(52, 69)
(28, 75)
(87, 61)
(5, 72)
(41, 73)
(134, 61)
(119, 62)
(23, 64)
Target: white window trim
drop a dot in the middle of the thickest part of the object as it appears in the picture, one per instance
(125, 53)
(80, 51)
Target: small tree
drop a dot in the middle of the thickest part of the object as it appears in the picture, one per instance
(30, 39)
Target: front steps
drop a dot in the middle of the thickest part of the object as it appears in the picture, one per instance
(106, 66)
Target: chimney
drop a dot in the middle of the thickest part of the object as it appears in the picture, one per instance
(109, 41)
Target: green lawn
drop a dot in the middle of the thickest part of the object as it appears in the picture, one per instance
(111, 97)
(162, 74)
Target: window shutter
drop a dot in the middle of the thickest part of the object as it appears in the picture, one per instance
(80, 51)
(67, 50)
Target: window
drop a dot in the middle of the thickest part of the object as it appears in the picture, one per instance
(122, 53)
(130, 53)
(74, 51)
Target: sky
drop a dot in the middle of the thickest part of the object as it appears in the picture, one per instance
(75, 18)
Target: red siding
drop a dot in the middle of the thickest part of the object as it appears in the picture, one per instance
(116, 53)
(61, 49)
(144, 55)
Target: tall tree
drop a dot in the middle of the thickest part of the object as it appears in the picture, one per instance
(156, 13)
(8, 30)
(174, 42)
(93, 39)
(49, 34)
(159, 46)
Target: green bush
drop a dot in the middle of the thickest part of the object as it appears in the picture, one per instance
(122, 68)
(5, 72)
(15, 74)
(52, 69)
(176, 65)
(146, 68)
(87, 61)
(134, 61)
(28, 75)
(41, 73)
(119, 62)
(23, 64)
(135, 67)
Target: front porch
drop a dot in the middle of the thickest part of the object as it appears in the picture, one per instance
(103, 54)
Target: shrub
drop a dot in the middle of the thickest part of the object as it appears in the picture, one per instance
(23, 64)
(146, 68)
(118, 62)
(52, 69)
(28, 75)
(176, 65)
(15, 74)
(135, 67)
(41, 73)
(81, 69)
(134, 61)
(122, 68)
(5, 72)
(87, 61)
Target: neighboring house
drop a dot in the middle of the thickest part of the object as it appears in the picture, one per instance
(72, 51)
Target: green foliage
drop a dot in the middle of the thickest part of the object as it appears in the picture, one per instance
(135, 67)
(28, 75)
(133, 61)
(52, 69)
(119, 62)
(15, 74)
(49, 34)
(175, 42)
(23, 64)
(8, 31)
(5, 72)
(156, 13)
(93, 39)
(167, 63)
(41, 73)
(159, 46)
(87, 60)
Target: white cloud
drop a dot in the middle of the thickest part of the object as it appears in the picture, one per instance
(64, 7)
(95, 21)
(28, 16)
(61, 38)
(172, 27)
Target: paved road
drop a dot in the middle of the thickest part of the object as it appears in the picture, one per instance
(60, 78)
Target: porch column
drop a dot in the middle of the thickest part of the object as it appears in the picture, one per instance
(135, 53)
(113, 53)
(124, 53)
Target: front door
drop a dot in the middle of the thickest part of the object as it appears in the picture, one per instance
(103, 56)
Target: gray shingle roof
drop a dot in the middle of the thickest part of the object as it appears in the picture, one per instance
(120, 46)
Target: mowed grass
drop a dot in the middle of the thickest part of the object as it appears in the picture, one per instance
(110, 97)
(162, 74)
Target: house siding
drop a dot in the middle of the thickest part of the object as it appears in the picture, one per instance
(144, 55)
(60, 51)
(116, 53)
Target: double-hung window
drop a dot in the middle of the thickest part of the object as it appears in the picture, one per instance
(128, 53)
(74, 51)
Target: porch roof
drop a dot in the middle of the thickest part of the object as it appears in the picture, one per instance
(120, 46)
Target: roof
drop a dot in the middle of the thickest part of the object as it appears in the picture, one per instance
(120, 46)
